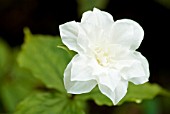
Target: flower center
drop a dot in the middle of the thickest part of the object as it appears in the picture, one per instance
(103, 56)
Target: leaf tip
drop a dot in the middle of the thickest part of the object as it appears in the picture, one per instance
(27, 33)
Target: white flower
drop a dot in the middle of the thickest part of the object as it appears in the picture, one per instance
(106, 55)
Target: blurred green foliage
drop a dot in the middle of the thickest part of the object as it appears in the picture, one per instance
(50, 103)
(15, 82)
(5, 57)
(165, 3)
(84, 5)
(136, 93)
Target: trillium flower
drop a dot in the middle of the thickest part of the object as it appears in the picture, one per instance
(105, 56)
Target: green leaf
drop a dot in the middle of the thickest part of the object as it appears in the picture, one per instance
(16, 84)
(136, 93)
(51, 103)
(41, 56)
(5, 58)
(97, 96)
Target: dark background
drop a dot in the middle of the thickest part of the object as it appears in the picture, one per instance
(44, 17)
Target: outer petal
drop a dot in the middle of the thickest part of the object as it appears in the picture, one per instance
(137, 70)
(120, 90)
(69, 35)
(127, 32)
(82, 68)
(117, 94)
(145, 66)
(77, 87)
(109, 78)
(97, 18)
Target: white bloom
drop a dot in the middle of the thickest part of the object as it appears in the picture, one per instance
(106, 55)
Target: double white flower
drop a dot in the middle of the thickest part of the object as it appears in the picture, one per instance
(106, 55)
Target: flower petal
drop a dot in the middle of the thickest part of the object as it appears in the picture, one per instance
(77, 87)
(82, 68)
(92, 35)
(117, 94)
(137, 70)
(144, 61)
(97, 18)
(127, 32)
(120, 91)
(109, 78)
(69, 35)
(145, 66)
